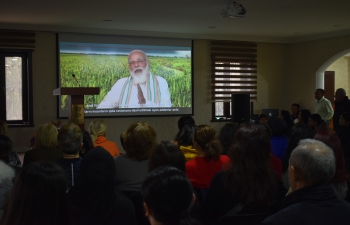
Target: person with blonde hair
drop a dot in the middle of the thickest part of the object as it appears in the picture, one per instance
(98, 131)
(45, 146)
(131, 169)
(209, 160)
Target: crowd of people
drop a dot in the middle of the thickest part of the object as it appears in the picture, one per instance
(288, 170)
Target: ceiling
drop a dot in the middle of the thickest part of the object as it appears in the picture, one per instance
(279, 21)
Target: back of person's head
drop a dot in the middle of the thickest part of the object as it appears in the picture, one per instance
(185, 120)
(122, 138)
(205, 136)
(227, 133)
(46, 136)
(70, 138)
(331, 140)
(166, 153)
(316, 118)
(168, 196)
(296, 105)
(3, 128)
(250, 178)
(185, 136)
(97, 128)
(140, 140)
(297, 133)
(265, 128)
(278, 126)
(87, 142)
(314, 160)
(38, 196)
(304, 114)
(286, 117)
(5, 146)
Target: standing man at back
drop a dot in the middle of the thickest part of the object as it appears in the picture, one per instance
(313, 199)
(323, 106)
(341, 104)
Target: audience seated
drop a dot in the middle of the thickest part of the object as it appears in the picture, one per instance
(87, 144)
(249, 184)
(7, 155)
(131, 168)
(279, 141)
(313, 200)
(341, 177)
(303, 117)
(98, 131)
(184, 141)
(7, 175)
(209, 160)
(168, 196)
(316, 123)
(70, 140)
(285, 115)
(227, 133)
(38, 197)
(45, 146)
(95, 200)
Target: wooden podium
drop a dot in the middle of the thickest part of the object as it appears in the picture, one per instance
(76, 102)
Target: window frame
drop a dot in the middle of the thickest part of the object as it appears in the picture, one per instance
(238, 74)
(27, 88)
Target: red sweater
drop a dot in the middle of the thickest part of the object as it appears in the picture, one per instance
(201, 171)
(110, 146)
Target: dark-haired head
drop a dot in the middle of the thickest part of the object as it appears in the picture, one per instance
(168, 196)
(315, 119)
(303, 116)
(285, 115)
(278, 126)
(5, 146)
(87, 142)
(185, 120)
(265, 128)
(38, 196)
(297, 133)
(332, 141)
(251, 168)
(205, 139)
(185, 136)
(166, 153)
(263, 118)
(227, 133)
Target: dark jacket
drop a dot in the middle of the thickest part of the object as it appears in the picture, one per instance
(42, 154)
(312, 205)
(344, 137)
(339, 108)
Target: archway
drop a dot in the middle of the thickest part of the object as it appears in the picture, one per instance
(322, 69)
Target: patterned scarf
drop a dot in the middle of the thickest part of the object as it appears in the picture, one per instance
(153, 91)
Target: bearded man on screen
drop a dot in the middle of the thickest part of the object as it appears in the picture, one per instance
(140, 89)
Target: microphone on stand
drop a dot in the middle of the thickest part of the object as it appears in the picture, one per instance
(76, 79)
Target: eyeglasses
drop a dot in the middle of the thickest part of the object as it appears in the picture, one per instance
(132, 62)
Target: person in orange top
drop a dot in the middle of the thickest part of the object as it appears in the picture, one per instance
(98, 131)
(209, 160)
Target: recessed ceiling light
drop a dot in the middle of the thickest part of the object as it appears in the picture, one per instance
(211, 27)
(107, 20)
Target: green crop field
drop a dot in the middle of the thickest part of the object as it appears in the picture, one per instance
(104, 70)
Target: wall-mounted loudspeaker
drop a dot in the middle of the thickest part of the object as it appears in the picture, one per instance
(240, 104)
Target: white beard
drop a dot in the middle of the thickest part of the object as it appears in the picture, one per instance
(140, 77)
